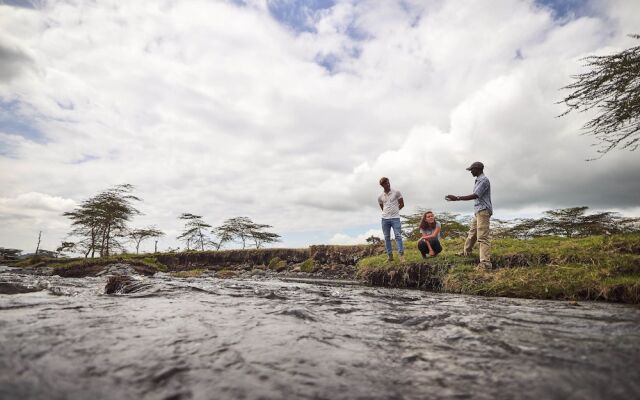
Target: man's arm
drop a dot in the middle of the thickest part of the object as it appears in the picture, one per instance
(452, 197)
(400, 203)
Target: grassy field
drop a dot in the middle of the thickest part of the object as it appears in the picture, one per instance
(592, 268)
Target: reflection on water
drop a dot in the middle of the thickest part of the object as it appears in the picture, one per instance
(208, 338)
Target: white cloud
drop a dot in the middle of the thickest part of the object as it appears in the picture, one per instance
(219, 110)
(345, 239)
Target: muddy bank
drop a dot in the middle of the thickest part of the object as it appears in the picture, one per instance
(320, 255)
(417, 276)
(321, 261)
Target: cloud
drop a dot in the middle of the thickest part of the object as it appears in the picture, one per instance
(345, 239)
(222, 109)
(13, 61)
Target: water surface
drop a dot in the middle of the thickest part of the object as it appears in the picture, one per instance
(266, 339)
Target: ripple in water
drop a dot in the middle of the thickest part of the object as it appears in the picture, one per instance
(164, 337)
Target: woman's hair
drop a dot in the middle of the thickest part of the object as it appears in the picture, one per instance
(424, 224)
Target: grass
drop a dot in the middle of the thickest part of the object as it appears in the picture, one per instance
(277, 264)
(60, 263)
(307, 265)
(598, 267)
(192, 273)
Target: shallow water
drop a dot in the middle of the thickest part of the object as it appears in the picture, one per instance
(246, 339)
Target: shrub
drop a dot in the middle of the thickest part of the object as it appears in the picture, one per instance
(308, 265)
(276, 264)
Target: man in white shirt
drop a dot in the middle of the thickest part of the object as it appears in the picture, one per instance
(391, 202)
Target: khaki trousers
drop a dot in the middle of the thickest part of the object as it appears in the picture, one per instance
(479, 232)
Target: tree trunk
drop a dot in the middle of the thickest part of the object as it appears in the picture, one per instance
(107, 236)
(38, 245)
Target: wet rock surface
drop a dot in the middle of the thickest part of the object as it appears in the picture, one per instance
(261, 338)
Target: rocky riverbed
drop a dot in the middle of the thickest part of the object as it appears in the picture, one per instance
(125, 335)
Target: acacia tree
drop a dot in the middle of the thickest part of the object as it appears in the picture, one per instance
(195, 231)
(138, 235)
(260, 236)
(9, 254)
(612, 86)
(101, 221)
(452, 225)
(573, 222)
(243, 229)
(373, 240)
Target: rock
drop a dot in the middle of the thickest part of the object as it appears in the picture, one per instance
(19, 287)
(122, 284)
(117, 269)
(226, 273)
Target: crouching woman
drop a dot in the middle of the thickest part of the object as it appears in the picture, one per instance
(429, 243)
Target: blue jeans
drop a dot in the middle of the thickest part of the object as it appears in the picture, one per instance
(394, 223)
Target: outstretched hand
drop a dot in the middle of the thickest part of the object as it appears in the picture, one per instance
(451, 197)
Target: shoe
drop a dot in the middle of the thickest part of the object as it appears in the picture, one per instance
(484, 267)
(401, 257)
(390, 258)
(462, 254)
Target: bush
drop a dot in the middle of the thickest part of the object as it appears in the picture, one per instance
(308, 265)
(276, 264)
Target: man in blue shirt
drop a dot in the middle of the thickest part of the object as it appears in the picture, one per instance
(483, 209)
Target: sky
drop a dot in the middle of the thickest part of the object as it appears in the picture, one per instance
(288, 112)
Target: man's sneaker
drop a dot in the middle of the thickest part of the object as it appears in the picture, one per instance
(462, 254)
(390, 257)
(401, 257)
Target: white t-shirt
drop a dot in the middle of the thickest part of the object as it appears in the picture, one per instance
(389, 203)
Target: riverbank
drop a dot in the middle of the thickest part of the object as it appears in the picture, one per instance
(594, 268)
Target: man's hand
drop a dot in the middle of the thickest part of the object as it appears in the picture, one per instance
(451, 197)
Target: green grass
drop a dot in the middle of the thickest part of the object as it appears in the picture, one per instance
(598, 267)
(276, 264)
(192, 273)
(307, 265)
(140, 260)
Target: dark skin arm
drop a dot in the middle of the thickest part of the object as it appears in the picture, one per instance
(452, 197)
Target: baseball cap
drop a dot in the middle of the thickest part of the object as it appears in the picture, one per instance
(476, 164)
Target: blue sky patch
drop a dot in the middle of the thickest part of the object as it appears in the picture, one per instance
(327, 62)
(19, 3)
(563, 9)
(12, 123)
(298, 14)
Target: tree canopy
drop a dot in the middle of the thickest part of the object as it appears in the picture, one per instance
(195, 231)
(243, 229)
(452, 225)
(612, 86)
(573, 222)
(140, 234)
(100, 222)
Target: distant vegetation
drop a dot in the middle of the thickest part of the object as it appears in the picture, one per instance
(101, 228)
(572, 222)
